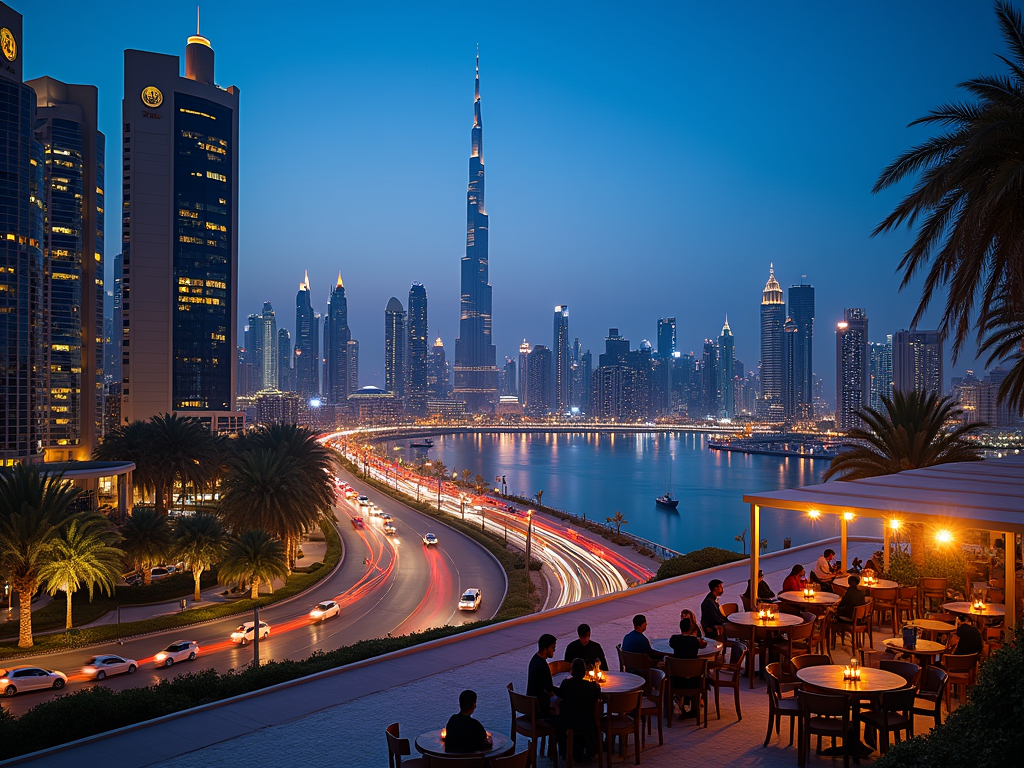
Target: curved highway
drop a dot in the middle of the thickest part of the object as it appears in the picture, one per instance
(386, 584)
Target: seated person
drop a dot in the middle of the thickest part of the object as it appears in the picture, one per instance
(968, 639)
(711, 616)
(857, 565)
(636, 641)
(686, 613)
(464, 733)
(686, 645)
(538, 681)
(764, 592)
(578, 702)
(854, 597)
(824, 570)
(795, 582)
(585, 649)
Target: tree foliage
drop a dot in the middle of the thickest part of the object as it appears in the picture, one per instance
(147, 540)
(83, 554)
(254, 557)
(199, 542)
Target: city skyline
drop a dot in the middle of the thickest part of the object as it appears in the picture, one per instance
(554, 73)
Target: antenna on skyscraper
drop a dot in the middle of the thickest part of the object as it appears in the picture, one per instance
(197, 19)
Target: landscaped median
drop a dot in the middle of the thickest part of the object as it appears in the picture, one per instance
(77, 638)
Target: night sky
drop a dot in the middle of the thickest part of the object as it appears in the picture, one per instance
(642, 161)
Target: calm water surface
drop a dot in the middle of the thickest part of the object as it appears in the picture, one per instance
(597, 474)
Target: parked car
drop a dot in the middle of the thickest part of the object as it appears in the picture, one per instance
(244, 633)
(179, 650)
(351, 494)
(364, 500)
(324, 610)
(470, 599)
(430, 540)
(98, 667)
(389, 528)
(159, 573)
(21, 679)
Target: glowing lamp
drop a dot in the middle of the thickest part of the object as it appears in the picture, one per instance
(894, 524)
(814, 514)
(943, 536)
(848, 516)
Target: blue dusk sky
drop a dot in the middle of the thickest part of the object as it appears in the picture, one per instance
(642, 159)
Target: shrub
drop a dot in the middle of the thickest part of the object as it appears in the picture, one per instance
(902, 569)
(698, 560)
(948, 563)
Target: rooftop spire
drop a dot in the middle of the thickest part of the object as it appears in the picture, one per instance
(478, 72)
(772, 290)
(340, 284)
(197, 20)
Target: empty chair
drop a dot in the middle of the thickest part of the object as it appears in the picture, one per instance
(621, 719)
(780, 704)
(556, 666)
(637, 663)
(686, 679)
(931, 690)
(906, 603)
(399, 748)
(822, 715)
(746, 602)
(961, 670)
(653, 705)
(729, 609)
(883, 600)
(570, 739)
(893, 715)
(931, 588)
(818, 641)
(906, 669)
(525, 722)
(796, 641)
(727, 673)
(809, 660)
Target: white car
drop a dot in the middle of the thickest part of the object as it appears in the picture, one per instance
(179, 650)
(430, 540)
(389, 528)
(470, 600)
(21, 679)
(324, 610)
(364, 501)
(244, 633)
(98, 667)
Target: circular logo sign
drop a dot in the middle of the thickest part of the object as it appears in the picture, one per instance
(152, 97)
(9, 44)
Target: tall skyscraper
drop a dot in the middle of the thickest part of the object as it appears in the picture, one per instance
(773, 317)
(417, 387)
(438, 367)
(253, 355)
(476, 374)
(790, 376)
(269, 347)
(73, 151)
(307, 343)
(524, 365)
(511, 384)
(853, 375)
(338, 359)
(560, 350)
(586, 374)
(21, 256)
(726, 370)
(540, 384)
(709, 379)
(395, 350)
(180, 239)
(352, 361)
(801, 382)
(917, 361)
(881, 371)
(666, 337)
(112, 361)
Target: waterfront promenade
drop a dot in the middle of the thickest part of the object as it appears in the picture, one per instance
(339, 717)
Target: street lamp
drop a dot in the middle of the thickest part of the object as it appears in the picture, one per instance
(529, 538)
(462, 503)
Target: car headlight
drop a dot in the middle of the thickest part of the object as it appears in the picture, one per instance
(160, 656)
(316, 614)
(88, 670)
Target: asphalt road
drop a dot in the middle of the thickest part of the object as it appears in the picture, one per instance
(386, 584)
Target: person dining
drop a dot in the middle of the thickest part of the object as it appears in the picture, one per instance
(686, 613)
(968, 639)
(764, 592)
(538, 681)
(585, 648)
(825, 571)
(686, 645)
(464, 733)
(711, 616)
(795, 582)
(853, 598)
(577, 703)
(636, 641)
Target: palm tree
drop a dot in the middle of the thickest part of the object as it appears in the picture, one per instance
(968, 196)
(438, 470)
(134, 442)
(465, 476)
(189, 454)
(147, 540)
(252, 558)
(912, 433)
(539, 495)
(82, 554)
(200, 543)
(618, 521)
(33, 506)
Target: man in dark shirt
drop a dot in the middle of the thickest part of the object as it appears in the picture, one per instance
(464, 733)
(711, 616)
(968, 639)
(577, 708)
(853, 598)
(585, 649)
(538, 681)
(636, 641)
(764, 592)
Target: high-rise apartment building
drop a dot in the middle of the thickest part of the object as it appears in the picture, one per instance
(112, 355)
(540, 385)
(853, 374)
(790, 375)
(395, 349)
(353, 365)
(917, 361)
(800, 383)
(285, 371)
(524, 365)
(22, 357)
(560, 349)
(180, 239)
(509, 380)
(773, 317)
(72, 196)
(417, 391)
(476, 374)
(340, 362)
(881, 371)
(269, 347)
(252, 356)
(666, 337)
(709, 379)
(307, 342)
(438, 379)
(726, 370)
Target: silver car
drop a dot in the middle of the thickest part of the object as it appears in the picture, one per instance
(179, 650)
(98, 667)
(21, 679)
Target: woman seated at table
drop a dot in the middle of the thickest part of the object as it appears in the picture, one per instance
(853, 598)
(578, 704)
(764, 592)
(464, 733)
(686, 645)
(795, 582)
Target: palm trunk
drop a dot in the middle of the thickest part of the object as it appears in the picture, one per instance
(24, 590)
(147, 576)
(67, 620)
(160, 507)
(197, 573)
(255, 589)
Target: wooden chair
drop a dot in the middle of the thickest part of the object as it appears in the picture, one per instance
(399, 748)
(653, 705)
(570, 737)
(931, 588)
(992, 638)
(818, 641)
(805, 660)
(730, 608)
(693, 669)
(906, 669)
(517, 760)
(621, 718)
(556, 667)
(746, 602)
(780, 705)
(637, 663)
(856, 627)
(525, 722)
(754, 639)
(797, 640)
(437, 761)
(895, 714)
(884, 601)
(961, 670)
(932, 690)
(822, 715)
(727, 674)
(839, 589)
(906, 603)
(618, 651)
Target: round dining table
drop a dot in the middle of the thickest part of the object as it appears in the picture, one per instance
(931, 626)
(924, 651)
(431, 743)
(753, 620)
(614, 682)
(990, 611)
(713, 648)
(815, 604)
(844, 581)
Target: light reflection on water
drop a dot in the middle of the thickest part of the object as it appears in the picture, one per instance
(597, 474)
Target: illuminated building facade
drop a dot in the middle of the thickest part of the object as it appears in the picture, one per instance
(307, 343)
(726, 371)
(395, 351)
(800, 384)
(476, 374)
(561, 359)
(853, 368)
(881, 371)
(917, 361)
(417, 390)
(269, 347)
(438, 383)
(524, 365)
(540, 390)
(340, 356)
(180, 240)
(773, 317)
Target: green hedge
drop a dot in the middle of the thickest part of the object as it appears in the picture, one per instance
(698, 560)
(98, 709)
(985, 731)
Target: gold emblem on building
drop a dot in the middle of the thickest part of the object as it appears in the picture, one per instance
(152, 97)
(9, 44)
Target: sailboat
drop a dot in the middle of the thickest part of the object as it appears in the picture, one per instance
(666, 499)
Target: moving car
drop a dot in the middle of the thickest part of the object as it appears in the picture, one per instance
(357, 522)
(98, 667)
(389, 528)
(324, 610)
(364, 500)
(21, 679)
(430, 539)
(470, 600)
(244, 633)
(179, 650)
(385, 517)
(351, 494)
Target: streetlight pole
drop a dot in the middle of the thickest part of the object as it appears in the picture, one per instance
(462, 503)
(529, 537)
(483, 519)
(256, 635)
